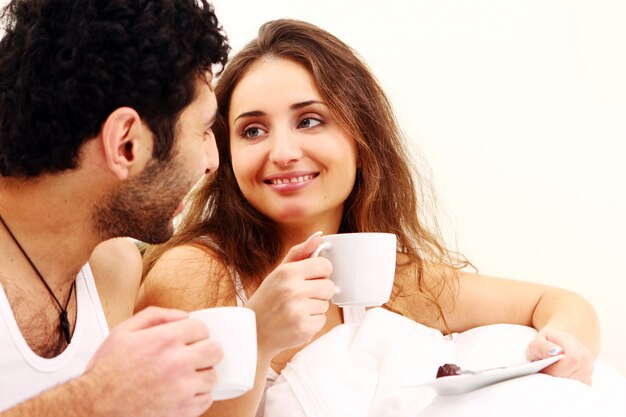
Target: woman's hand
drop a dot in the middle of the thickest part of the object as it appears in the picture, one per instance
(577, 363)
(292, 301)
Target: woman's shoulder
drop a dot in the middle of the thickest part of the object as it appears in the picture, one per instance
(115, 255)
(193, 260)
(189, 276)
(424, 291)
(116, 268)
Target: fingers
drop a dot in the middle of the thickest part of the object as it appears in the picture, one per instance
(206, 353)
(304, 249)
(315, 268)
(201, 403)
(572, 367)
(207, 381)
(317, 307)
(306, 269)
(320, 289)
(576, 364)
(185, 331)
(307, 279)
(541, 348)
(150, 317)
(160, 324)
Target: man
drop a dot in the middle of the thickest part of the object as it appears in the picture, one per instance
(105, 124)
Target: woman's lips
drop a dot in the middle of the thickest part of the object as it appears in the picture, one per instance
(290, 182)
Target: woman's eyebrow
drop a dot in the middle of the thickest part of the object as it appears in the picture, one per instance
(254, 113)
(295, 106)
(302, 104)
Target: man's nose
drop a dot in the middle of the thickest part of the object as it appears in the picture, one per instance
(212, 156)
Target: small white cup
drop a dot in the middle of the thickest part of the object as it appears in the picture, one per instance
(364, 266)
(235, 329)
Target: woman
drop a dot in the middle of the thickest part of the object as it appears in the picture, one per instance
(308, 142)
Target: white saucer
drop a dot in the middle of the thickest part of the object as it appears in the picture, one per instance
(460, 384)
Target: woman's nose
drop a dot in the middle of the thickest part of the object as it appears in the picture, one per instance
(285, 149)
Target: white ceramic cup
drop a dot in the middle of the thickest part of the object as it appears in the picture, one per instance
(235, 329)
(364, 266)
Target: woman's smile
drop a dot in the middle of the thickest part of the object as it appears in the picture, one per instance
(289, 182)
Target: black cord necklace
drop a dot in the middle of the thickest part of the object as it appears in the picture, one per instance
(64, 322)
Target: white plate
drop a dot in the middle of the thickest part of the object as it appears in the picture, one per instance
(460, 384)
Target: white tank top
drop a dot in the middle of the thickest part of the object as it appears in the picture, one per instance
(351, 315)
(23, 373)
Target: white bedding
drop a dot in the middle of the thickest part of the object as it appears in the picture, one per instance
(372, 369)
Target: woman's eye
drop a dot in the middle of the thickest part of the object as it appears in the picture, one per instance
(253, 132)
(309, 122)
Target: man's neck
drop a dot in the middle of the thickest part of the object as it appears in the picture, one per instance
(52, 220)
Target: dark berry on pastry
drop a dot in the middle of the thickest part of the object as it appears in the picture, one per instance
(449, 369)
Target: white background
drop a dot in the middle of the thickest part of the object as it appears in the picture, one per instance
(519, 108)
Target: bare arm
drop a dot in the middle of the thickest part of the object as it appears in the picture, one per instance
(487, 300)
(290, 305)
(59, 401)
(190, 278)
(116, 265)
(567, 323)
(156, 364)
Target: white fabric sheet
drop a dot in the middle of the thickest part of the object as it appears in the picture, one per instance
(372, 369)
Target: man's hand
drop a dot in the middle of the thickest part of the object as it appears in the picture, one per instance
(157, 363)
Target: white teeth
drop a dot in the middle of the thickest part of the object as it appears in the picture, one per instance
(293, 180)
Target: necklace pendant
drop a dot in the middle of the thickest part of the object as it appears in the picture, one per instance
(65, 327)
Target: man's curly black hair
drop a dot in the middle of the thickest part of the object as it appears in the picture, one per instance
(65, 65)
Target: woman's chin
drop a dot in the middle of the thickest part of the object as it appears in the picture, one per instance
(292, 214)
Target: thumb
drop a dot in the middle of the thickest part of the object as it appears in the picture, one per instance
(541, 347)
(303, 250)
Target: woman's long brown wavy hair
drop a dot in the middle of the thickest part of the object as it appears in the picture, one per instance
(388, 195)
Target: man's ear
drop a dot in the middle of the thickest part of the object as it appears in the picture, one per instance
(126, 141)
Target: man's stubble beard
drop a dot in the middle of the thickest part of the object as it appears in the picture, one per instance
(143, 207)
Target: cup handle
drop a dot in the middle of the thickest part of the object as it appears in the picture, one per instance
(315, 254)
(321, 247)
